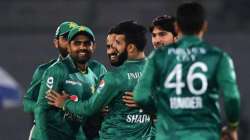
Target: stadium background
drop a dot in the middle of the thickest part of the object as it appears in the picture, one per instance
(27, 28)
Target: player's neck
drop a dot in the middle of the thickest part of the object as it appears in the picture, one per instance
(136, 55)
(199, 35)
(81, 67)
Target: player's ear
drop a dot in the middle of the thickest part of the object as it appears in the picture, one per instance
(205, 26)
(176, 28)
(55, 42)
(94, 47)
(68, 47)
(131, 48)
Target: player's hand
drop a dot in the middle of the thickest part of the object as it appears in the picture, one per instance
(128, 100)
(233, 134)
(56, 99)
(229, 134)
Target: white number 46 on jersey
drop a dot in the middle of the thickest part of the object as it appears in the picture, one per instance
(191, 76)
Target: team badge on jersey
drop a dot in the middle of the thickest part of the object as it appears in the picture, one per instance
(73, 98)
(101, 84)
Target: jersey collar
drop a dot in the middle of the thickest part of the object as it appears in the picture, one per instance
(189, 40)
(60, 58)
(134, 60)
(74, 67)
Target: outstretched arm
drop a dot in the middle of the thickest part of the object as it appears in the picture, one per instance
(103, 95)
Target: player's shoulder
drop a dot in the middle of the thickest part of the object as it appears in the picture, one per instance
(91, 73)
(57, 67)
(44, 66)
(94, 63)
(113, 74)
(212, 48)
(162, 51)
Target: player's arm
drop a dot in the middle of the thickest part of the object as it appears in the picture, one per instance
(226, 78)
(51, 81)
(105, 92)
(103, 95)
(144, 88)
(30, 98)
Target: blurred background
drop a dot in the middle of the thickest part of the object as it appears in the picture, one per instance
(27, 28)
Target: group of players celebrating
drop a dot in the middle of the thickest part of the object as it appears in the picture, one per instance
(173, 94)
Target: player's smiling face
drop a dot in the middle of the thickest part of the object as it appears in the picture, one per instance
(121, 48)
(161, 37)
(61, 43)
(112, 52)
(81, 48)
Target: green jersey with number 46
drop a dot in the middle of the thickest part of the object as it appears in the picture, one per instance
(121, 122)
(186, 79)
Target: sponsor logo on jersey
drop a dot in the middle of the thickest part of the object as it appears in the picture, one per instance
(72, 117)
(73, 98)
(186, 54)
(134, 75)
(73, 82)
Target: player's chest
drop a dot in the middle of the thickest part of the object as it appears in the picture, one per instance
(80, 85)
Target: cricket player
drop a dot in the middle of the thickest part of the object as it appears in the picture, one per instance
(162, 34)
(61, 43)
(71, 75)
(121, 122)
(162, 31)
(111, 50)
(187, 78)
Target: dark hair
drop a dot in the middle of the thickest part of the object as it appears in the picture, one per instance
(111, 30)
(190, 17)
(133, 32)
(164, 22)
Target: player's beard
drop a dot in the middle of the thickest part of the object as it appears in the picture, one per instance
(122, 57)
(82, 58)
(63, 51)
(158, 45)
(113, 58)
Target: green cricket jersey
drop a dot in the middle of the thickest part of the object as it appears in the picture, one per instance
(98, 68)
(53, 123)
(31, 95)
(93, 124)
(121, 121)
(30, 98)
(187, 78)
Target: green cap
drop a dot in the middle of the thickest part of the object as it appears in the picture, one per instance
(64, 27)
(81, 29)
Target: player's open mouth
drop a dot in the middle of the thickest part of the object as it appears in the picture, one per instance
(113, 57)
(83, 53)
